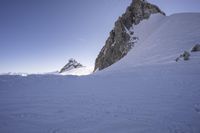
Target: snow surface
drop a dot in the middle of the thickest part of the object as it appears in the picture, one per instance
(145, 92)
(80, 71)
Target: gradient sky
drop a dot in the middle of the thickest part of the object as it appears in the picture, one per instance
(41, 35)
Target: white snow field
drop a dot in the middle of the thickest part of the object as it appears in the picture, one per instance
(78, 71)
(145, 92)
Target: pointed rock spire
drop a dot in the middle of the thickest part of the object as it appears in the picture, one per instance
(72, 64)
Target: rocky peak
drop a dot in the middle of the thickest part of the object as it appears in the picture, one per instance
(72, 64)
(121, 39)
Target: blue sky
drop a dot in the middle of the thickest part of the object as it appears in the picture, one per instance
(41, 35)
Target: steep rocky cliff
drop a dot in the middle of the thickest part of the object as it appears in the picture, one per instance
(121, 38)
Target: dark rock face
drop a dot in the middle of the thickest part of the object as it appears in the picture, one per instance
(185, 56)
(196, 48)
(72, 64)
(121, 40)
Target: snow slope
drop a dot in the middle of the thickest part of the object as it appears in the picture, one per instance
(145, 92)
(161, 40)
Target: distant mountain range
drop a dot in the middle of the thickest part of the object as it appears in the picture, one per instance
(71, 68)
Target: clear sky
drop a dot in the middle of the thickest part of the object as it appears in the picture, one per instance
(41, 35)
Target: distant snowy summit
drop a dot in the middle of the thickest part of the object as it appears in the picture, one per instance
(72, 64)
(75, 68)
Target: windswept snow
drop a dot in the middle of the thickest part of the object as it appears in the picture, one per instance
(145, 92)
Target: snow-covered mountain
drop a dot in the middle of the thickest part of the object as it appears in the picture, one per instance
(75, 68)
(161, 40)
(120, 41)
(72, 64)
(155, 88)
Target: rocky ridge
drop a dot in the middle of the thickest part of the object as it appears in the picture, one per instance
(72, 64)
(121, 38)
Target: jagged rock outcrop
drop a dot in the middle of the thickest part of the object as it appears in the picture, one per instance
(196, 48)
(72, 64)
(121, 39)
